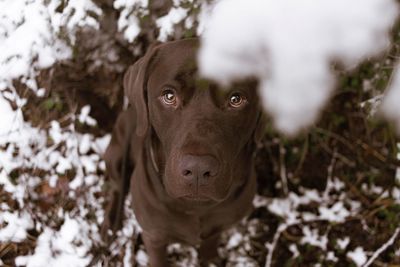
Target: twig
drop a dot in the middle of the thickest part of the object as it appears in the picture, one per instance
(372, 151)
(339, 156)
(382, 248)
(283, 169)
(336, 137)
(303, 155)
(357, 192)
(271, 247)
(330, 170)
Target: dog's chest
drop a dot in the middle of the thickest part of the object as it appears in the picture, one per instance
(186, 229)
(194, 229)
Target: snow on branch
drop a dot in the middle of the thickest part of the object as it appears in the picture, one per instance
(32, 35)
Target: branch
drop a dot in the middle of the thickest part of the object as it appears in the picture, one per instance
(382, 248)
(271, 247)
(283, 174)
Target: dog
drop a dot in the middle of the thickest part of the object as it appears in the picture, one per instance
(184, 149)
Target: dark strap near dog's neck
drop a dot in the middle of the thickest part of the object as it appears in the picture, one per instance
(154, 175)
(153, 158)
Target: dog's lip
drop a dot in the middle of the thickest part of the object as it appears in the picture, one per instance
(197, 198)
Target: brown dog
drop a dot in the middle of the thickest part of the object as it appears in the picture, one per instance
(185, 149)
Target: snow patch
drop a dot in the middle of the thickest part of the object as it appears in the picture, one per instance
(342, 243)
(16, 226)
(358, 256)
(10, 120)
(234, 240)
(141, 258)
(312, 237)
(59, 248)
(167, 22)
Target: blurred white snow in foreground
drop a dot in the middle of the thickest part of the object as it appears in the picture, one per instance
(290, 45)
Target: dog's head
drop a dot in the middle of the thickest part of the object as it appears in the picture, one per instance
(203, 137)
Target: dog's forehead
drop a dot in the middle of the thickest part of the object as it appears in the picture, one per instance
(173, 59)
(176, 62)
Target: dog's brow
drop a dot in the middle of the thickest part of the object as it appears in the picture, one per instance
(202, 84)
(186, 78)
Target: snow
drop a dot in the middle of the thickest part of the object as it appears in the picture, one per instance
(54, 150)
(343, 242)
(141, 258)
(397, 177)
(76, 13)
(58, 248)
(85, 118)
(391, 107)
(285, 208)
(374, 103)
(9, 118)
(331, 256)
(295, 251)
(16, 226)
(90, 163)
(396, 194)
(30, 37)
(313, 238)
(25, 34)
(234, 240)
(290, 45)
(166, 23)
(336, 213)
(358, 256)
(84, 144)
(331, 209)
(128, 22)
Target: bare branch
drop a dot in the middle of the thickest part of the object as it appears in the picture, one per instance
(382, 248)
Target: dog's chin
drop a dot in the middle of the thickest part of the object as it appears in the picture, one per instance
(194, 199)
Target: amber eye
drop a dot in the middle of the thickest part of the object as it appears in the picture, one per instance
(169, 97)
(236, 100)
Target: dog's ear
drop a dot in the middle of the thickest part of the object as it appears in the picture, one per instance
(135, 80)
(260, 127)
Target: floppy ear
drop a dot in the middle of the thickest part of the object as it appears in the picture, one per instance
(260, 127)
(135, 80)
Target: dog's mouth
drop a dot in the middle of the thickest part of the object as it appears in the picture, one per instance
(197, 198)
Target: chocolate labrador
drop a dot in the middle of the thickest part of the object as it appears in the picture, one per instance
(184, 149)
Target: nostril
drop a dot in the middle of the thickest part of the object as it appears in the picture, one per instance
(202, 167)
(187, 173)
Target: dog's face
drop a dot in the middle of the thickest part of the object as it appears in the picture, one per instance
(203, 136)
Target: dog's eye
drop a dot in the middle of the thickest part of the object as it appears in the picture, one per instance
(236, 100)
(169, 97)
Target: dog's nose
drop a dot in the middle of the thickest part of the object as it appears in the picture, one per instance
(199, 168)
